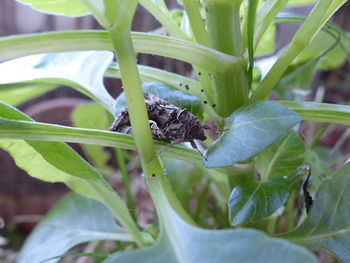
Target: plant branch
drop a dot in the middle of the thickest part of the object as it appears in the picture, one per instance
(204, 57)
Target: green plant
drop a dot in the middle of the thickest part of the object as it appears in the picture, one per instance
(257, 133)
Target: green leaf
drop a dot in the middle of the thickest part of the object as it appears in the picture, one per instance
(180, 241)
(250, 130)
(57, 162)
(255, 200)
(179, 98)
(48, 161)
(328, 222)
(62, 7)
(320, 112)
(183, 181)
(282, 158)
(73, 220)
(267, 43)
(300, 2)
(320, 164)
(17, 94)
(92, 116)
(80, 70)
(105, 11)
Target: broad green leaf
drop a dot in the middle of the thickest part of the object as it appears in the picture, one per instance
(57, 162)
(92, 116)
(249, 130)
(255, 200)
(73, 220)
(80, 70)
(17, 94)
(180, 241)
(62, 7)
(282, 158)
(328, 222)
(179, 98)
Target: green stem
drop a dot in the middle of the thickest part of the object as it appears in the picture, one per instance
(251, 16)
(126, 56)
(125, 178)
(196, 21)
(231, 86)
(308, 30)
(201, 56)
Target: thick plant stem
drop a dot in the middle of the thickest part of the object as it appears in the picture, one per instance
(312, 25)
(126, 56)
(153, 171)
(231, 86)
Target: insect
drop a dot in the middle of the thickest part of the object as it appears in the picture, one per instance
(167, 121)
(307, 196)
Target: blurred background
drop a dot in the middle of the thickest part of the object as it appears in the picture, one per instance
(23, 199)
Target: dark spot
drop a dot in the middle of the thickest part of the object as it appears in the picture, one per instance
(153, 175)
(206, 10)
(199, 73)
(180, 84)
(214, 105)
(205, 102)
(187, 87)
(202, 90)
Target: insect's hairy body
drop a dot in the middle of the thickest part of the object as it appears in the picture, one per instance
(166, 121)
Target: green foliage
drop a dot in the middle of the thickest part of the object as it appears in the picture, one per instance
(257, 155)
(282, 158)
(254, 200)
(57, 162)
(80, 70)
(250, 130)
(65, 7)
(180, 240)
(73, 220)
(327, 224)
